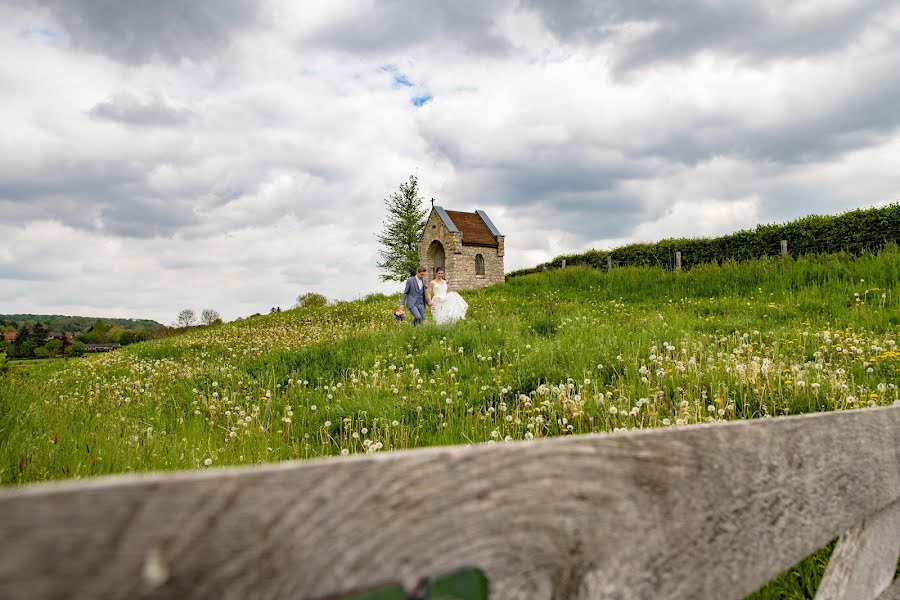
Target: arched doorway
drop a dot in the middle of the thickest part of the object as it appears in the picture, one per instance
(436, 258)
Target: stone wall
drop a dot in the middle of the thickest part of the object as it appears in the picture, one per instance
(463, 275)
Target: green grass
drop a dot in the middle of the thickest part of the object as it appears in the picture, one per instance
(561, 353)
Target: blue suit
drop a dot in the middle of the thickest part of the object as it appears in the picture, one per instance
(415, 299)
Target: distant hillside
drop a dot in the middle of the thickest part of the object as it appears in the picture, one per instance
(69, 324)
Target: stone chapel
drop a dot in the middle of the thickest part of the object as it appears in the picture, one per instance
(467, 245)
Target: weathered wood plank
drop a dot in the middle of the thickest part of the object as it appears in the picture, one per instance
(707, 511)
(892, 593)
(865, 558)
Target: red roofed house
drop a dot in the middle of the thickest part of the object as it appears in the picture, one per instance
(9, 336)
(467, 245)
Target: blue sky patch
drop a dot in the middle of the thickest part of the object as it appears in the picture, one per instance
(420, 100)
(399, 78)
(402, 80)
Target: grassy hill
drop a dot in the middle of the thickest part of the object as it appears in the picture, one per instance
(560, 353)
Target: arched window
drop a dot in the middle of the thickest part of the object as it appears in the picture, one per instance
(479, 264)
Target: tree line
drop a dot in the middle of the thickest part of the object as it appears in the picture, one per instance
(36, 340)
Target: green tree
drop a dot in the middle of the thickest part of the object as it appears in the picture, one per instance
(53, 348)
(39, 334)
(97, 333)
(402, 231)
(114, 335)
(76, 349)
(21, 339)
(26, 350)
(131, 337)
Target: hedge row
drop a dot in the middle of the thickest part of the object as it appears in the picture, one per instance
(855, 232)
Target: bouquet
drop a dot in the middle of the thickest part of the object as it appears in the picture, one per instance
(399, 314)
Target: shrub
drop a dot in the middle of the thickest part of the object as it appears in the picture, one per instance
(311, 300)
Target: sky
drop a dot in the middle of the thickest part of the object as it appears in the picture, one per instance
(234, 154)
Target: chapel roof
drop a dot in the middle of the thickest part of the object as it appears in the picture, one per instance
(476, 228)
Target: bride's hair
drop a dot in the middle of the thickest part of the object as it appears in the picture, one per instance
(438, 270)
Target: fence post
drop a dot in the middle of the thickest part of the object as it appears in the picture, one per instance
(678, 260)
(784, 248)
(564, 264)
(609, 262)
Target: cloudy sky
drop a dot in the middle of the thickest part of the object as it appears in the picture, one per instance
(233, 154)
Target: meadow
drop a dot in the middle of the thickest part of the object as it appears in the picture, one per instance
(565, 352)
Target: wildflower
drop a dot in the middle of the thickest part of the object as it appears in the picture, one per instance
(395, 423)
(613, 410)
(344, 452)
(207, 462)
(327, 424)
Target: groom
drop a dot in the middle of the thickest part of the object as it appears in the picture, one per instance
(414, 295)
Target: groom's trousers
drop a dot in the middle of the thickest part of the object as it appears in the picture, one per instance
(418, 312)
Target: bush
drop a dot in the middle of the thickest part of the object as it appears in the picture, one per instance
(53, 348)
(854, 232)
(76, 349)
(4, 363)
(311, 300)
(26, 350)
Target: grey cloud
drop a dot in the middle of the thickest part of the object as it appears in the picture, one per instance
(148, 217)
(681, 29)
(394, 25)
(136, 32)
(28, 272)
(131, 110)
(867, 117)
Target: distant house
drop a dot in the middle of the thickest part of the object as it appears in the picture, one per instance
(9, 336)
(100, 347)
(467, 245)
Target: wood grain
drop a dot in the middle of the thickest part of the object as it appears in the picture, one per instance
(865, 559)
(892, 593)
(706, 511)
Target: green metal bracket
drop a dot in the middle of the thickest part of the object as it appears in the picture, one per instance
(465, 584)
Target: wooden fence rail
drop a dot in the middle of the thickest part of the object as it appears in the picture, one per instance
(706, 511)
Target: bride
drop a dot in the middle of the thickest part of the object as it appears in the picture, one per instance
(446, 307)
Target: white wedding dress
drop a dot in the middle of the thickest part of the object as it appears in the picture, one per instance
(447, 307)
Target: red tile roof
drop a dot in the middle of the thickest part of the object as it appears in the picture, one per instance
(9, 336)
(474, 231)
